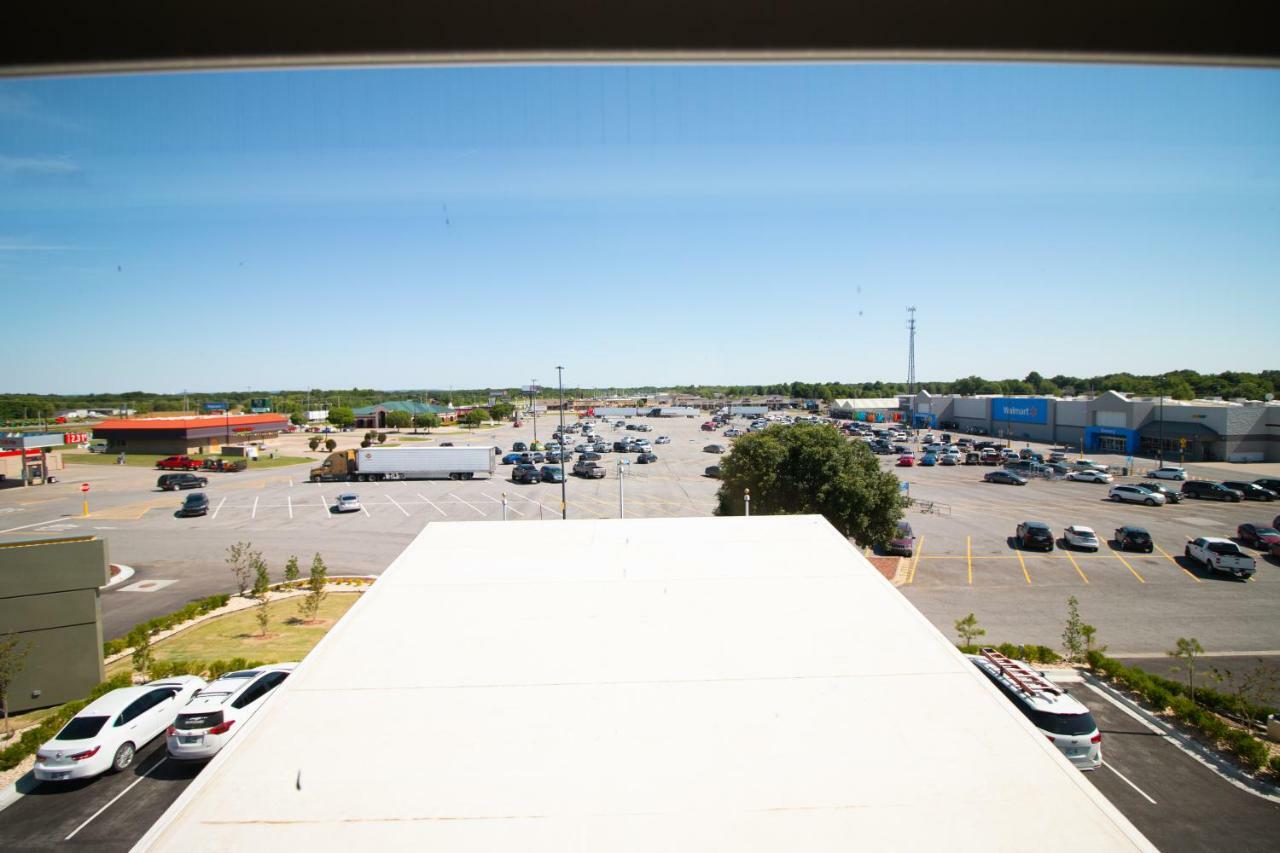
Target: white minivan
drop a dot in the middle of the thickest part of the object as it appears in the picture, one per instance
(1059, 716)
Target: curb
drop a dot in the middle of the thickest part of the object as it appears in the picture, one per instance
(1209, 758)
(124, 574)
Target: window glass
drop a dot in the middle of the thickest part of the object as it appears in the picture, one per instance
(80, 728)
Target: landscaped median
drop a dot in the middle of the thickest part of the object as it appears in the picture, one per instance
(1225, 720)
(149, 460)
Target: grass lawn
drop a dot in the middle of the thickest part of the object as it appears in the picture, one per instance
(149, 460)
(236, 635)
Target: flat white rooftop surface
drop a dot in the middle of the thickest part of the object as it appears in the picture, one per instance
(702, 684)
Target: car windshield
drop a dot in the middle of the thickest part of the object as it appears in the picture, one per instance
(81, 728)
(1062, 724)
(195, 499)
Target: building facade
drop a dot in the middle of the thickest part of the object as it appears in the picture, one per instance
(204, 434)
(375, 417)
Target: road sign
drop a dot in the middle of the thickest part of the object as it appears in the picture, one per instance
(84, 487)
(1182, 442)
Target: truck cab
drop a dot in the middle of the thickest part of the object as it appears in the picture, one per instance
(336, 466)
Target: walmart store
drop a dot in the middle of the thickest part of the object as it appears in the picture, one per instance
(1191, 430)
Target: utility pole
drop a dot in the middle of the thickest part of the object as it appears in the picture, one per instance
(533, 406)
(564, 475)
(911, 367)
(622, 506)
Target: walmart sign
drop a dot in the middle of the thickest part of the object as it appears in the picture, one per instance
(1019, 410)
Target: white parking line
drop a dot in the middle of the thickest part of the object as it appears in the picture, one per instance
(324, 507)
(499, 503)
(1128, 782)
(220, 503)
(254, 513)
(164, 757)
(290, 506)
(468, 503)
(433, 506)
(25, 526)
(393, 500)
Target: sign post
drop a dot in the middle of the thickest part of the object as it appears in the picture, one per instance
(84, 488)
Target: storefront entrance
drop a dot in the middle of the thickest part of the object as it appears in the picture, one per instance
(1112, 443)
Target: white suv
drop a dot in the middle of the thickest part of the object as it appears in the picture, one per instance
(1136, 494)
(1170, 472)
(209, 720)
(1059, 716)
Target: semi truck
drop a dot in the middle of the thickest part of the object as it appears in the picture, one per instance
(405, 463)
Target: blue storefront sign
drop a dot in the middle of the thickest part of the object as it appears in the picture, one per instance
(1020, 410)
(216, 407)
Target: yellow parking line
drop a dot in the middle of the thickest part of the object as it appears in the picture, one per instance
(1179, 565)
(1117, 555)
(968, 552)
(1023, 563)
(1077, 565)
(915, 564)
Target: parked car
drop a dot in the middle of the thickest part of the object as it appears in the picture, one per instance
(1251, 491)
(1220, 555)
(525, 473)
(714, 448)
(904, 540)
(1130, 538)
(1059, 716)
(1088, 465)
(589, 456)
(949, 459)
(174, 482)
(972, 458)
(1056, 470)
(990, 456)
(647, 457)
(1169, 472)
(225, 465)
(1170, 496)
(1008, 478)
(1209, 490)
(105, 735)
(348, 502)
(519, 447)
(929, 459)
(1268, 483)
(196, 503)
(205, 724)
(1082, 538)
(602, 447)
(1034, 534)
(662, 439)
(552, 474)
(906, 460)
(1134, 494)
(1057, 456)
(178, 463)
(623, 447)
(712, 471)
(1090, 475)
(589, 470)
(1258, 536)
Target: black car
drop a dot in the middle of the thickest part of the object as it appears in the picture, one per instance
(173, 482)
(196, 503)
(713, 471)
(1033, 534)
(622, 446)
(1170, 496)
(1129, 538)
(589, 456)
(1251, 491)
(1007, 477)
(519, 447)
(552, 474)
(1267, 483)
(646, 457)
(525, 473)
(1209, 490)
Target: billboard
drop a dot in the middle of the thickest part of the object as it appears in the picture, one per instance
(1020, 410)
(260, 405)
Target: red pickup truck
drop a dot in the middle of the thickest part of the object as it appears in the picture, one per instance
(708, 427)
(178, 463)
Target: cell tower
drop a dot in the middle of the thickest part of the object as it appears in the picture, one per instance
(911, 351)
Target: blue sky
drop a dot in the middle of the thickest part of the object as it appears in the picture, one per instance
(719, 224)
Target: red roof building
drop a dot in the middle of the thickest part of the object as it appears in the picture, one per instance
(187, 435)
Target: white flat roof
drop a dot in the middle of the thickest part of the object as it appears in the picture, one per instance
(695, 684)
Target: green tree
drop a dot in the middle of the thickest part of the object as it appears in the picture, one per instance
(314, 442)
(810, 468)
(261, 592)
(291, 568)
(240, 558)
(330, 444)
(968, 630)
(310, 605)
(13, 659)
(399, 419)
(1180, 389)
(297, 417)
(1187, 649)
(427, 421)
(1077, 636)
(475, 417)
(143, 654)
(342, 416)
(501, 411)
(382, 438)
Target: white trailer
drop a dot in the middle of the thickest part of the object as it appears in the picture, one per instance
(406, 463)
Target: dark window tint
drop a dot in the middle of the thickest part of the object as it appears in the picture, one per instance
(258, 689)
(81, 728)
(1061, 724)
(206, 720)
(135, 708)
(1139, 535)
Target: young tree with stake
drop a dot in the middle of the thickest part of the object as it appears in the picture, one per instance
(13, 659)
(261, 593)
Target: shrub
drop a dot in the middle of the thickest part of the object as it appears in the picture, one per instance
(1275, 764)
(1095, 659)
(1251, 751)
(1159, 697)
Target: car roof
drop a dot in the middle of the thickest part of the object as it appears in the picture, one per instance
(1134, 529)
(230, 684)
(1079, 529)
(347, 496)
(117, 700)
(1054, 703)
(1035, 524)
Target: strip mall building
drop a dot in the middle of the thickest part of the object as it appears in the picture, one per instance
(1191, 430)
(187, 435)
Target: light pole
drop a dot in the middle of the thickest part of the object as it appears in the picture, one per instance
(1160, 451)
(746, 500)
(533, 406)
(622, 506)
(564, 506)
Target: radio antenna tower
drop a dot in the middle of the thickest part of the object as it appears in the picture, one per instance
(911, 351)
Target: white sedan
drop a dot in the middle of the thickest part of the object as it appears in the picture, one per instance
(1091, 476)
(106, 735)
(1169, 472)
(662, 439)
(1081, 537)
(348, 502)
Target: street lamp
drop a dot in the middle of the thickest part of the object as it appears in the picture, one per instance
(1160, 451)
(622, 506)
(564, 506)
(533, 406)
